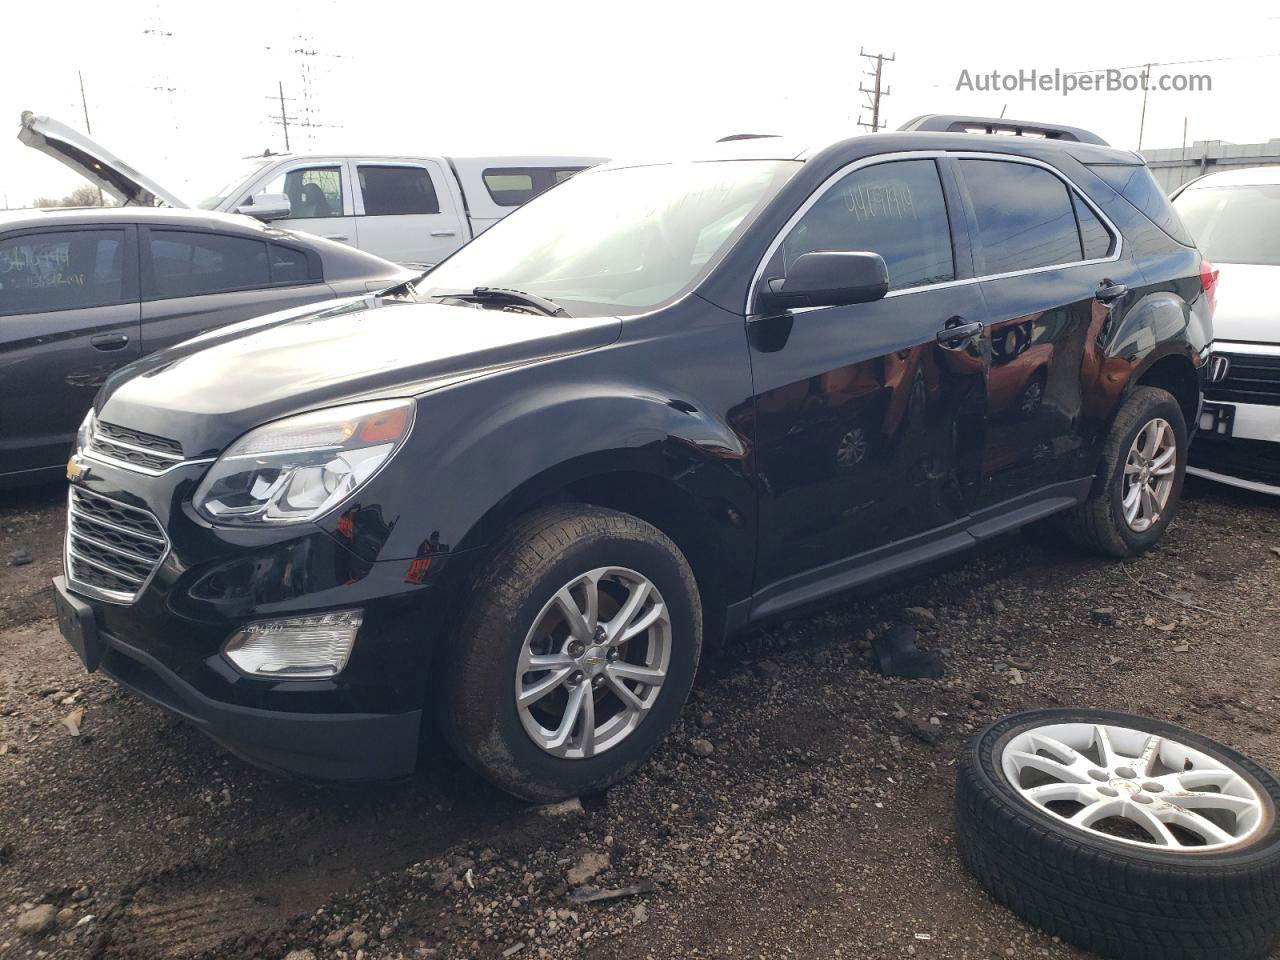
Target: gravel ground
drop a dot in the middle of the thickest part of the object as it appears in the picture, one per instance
(802, 808)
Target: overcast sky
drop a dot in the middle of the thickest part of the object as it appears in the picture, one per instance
(183, 91)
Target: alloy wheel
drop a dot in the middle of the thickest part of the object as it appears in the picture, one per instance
(593, 663)
(1133, 787)
(1149, 474)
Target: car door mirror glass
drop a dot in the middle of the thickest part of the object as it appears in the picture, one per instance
(827, 278)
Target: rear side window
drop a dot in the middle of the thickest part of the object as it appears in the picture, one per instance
(895, 209)
(389, 191)
(512, 186)
(1024, 216)
(1139, 187)
(41, 272)
(1094, 237)
(188, 264)
(289, 265)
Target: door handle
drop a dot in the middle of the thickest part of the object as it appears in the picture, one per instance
(1109, 292)
(337, 236)
(957, 331)
(110, 341)
(444, 233)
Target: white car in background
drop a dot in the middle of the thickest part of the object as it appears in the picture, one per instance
(1235, 218)
(413, 210)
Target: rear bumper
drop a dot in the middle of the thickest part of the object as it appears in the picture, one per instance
(332, 747)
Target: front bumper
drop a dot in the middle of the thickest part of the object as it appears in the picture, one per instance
(1249, 457)
(167, 644)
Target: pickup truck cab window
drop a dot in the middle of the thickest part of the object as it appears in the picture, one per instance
(618, 241)
(314, 192)
(396, 190)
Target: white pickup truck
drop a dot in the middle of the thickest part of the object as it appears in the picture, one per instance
(410, 209)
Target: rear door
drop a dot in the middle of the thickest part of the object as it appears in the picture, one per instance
(1044, 251)
(69, 316)
(405, 212)
(867, 426)
(195, 280)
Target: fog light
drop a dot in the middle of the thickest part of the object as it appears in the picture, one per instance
(295, 647)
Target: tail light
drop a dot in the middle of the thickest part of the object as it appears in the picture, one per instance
(1209, 280)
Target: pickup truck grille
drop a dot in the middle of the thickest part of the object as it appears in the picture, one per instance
(134, 449)
(111, 550)
(1250, 379)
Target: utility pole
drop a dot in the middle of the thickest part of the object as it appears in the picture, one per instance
(284, 117)
(1182, 168)
(84, 103)
(877, 89)
(1142, 119)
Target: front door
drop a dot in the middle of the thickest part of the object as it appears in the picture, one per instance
(868, 427)
(69, 316)
(321, 199)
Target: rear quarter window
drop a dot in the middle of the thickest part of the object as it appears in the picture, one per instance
(1136, 185)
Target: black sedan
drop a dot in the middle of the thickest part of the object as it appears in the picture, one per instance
(84, 292)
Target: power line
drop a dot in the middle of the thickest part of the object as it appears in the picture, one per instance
(877, 90)
(1173, 63)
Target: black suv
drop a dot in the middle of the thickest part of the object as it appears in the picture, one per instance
(659, 402)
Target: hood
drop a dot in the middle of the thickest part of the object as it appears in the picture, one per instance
(206, 392)
(1248, 309)
(96, 164)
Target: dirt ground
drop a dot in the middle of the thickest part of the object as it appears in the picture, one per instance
(819, 825)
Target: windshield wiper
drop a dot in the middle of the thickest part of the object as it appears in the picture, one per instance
(508, 295)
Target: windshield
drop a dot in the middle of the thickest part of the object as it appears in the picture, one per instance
(1234, 224)
(617, 241)
(215, 201)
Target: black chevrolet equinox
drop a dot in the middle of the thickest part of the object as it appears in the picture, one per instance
(514, 496)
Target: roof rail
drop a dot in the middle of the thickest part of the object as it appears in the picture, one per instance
(748, 136)
(954, 123)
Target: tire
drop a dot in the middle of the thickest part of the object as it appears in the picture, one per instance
(1117, 898)
(513, 594)
(1099, 523)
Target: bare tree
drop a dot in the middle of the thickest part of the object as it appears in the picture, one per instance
(84, 195)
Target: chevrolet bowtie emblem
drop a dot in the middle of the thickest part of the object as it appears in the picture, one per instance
(74, 470)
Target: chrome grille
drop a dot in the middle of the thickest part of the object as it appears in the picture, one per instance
(112, 550)
(133, 448)
(1250, 378)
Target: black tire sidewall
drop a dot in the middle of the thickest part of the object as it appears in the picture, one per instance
(1154, 405)
(987, 746)
(486, 683)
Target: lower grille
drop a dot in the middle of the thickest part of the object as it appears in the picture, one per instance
(133, 448)
(1250, 379)
(111, 550)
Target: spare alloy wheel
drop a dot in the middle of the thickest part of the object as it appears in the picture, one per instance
(1122, 834)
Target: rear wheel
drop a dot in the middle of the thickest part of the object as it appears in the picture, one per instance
(1144, 459)
(575, 655)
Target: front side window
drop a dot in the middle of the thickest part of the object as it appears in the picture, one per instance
(895, 209)
(1024, 216)
(190, 264)
(397, 190)
(41, 272)
(314, 192)
(621, 240)
(1234, 224)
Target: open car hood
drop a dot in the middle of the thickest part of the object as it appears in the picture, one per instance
(97, 165)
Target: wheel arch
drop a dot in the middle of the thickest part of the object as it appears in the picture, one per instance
(1175, 372)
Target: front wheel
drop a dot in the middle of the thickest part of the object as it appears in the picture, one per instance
(575, 654)
(1144, 459)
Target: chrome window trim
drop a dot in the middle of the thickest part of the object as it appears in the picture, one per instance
(855, 165)
(119, 597)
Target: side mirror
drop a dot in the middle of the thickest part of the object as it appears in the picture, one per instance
(267, 206)
(827, 278)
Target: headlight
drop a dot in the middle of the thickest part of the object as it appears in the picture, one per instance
(301, 468)
(86, 429)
